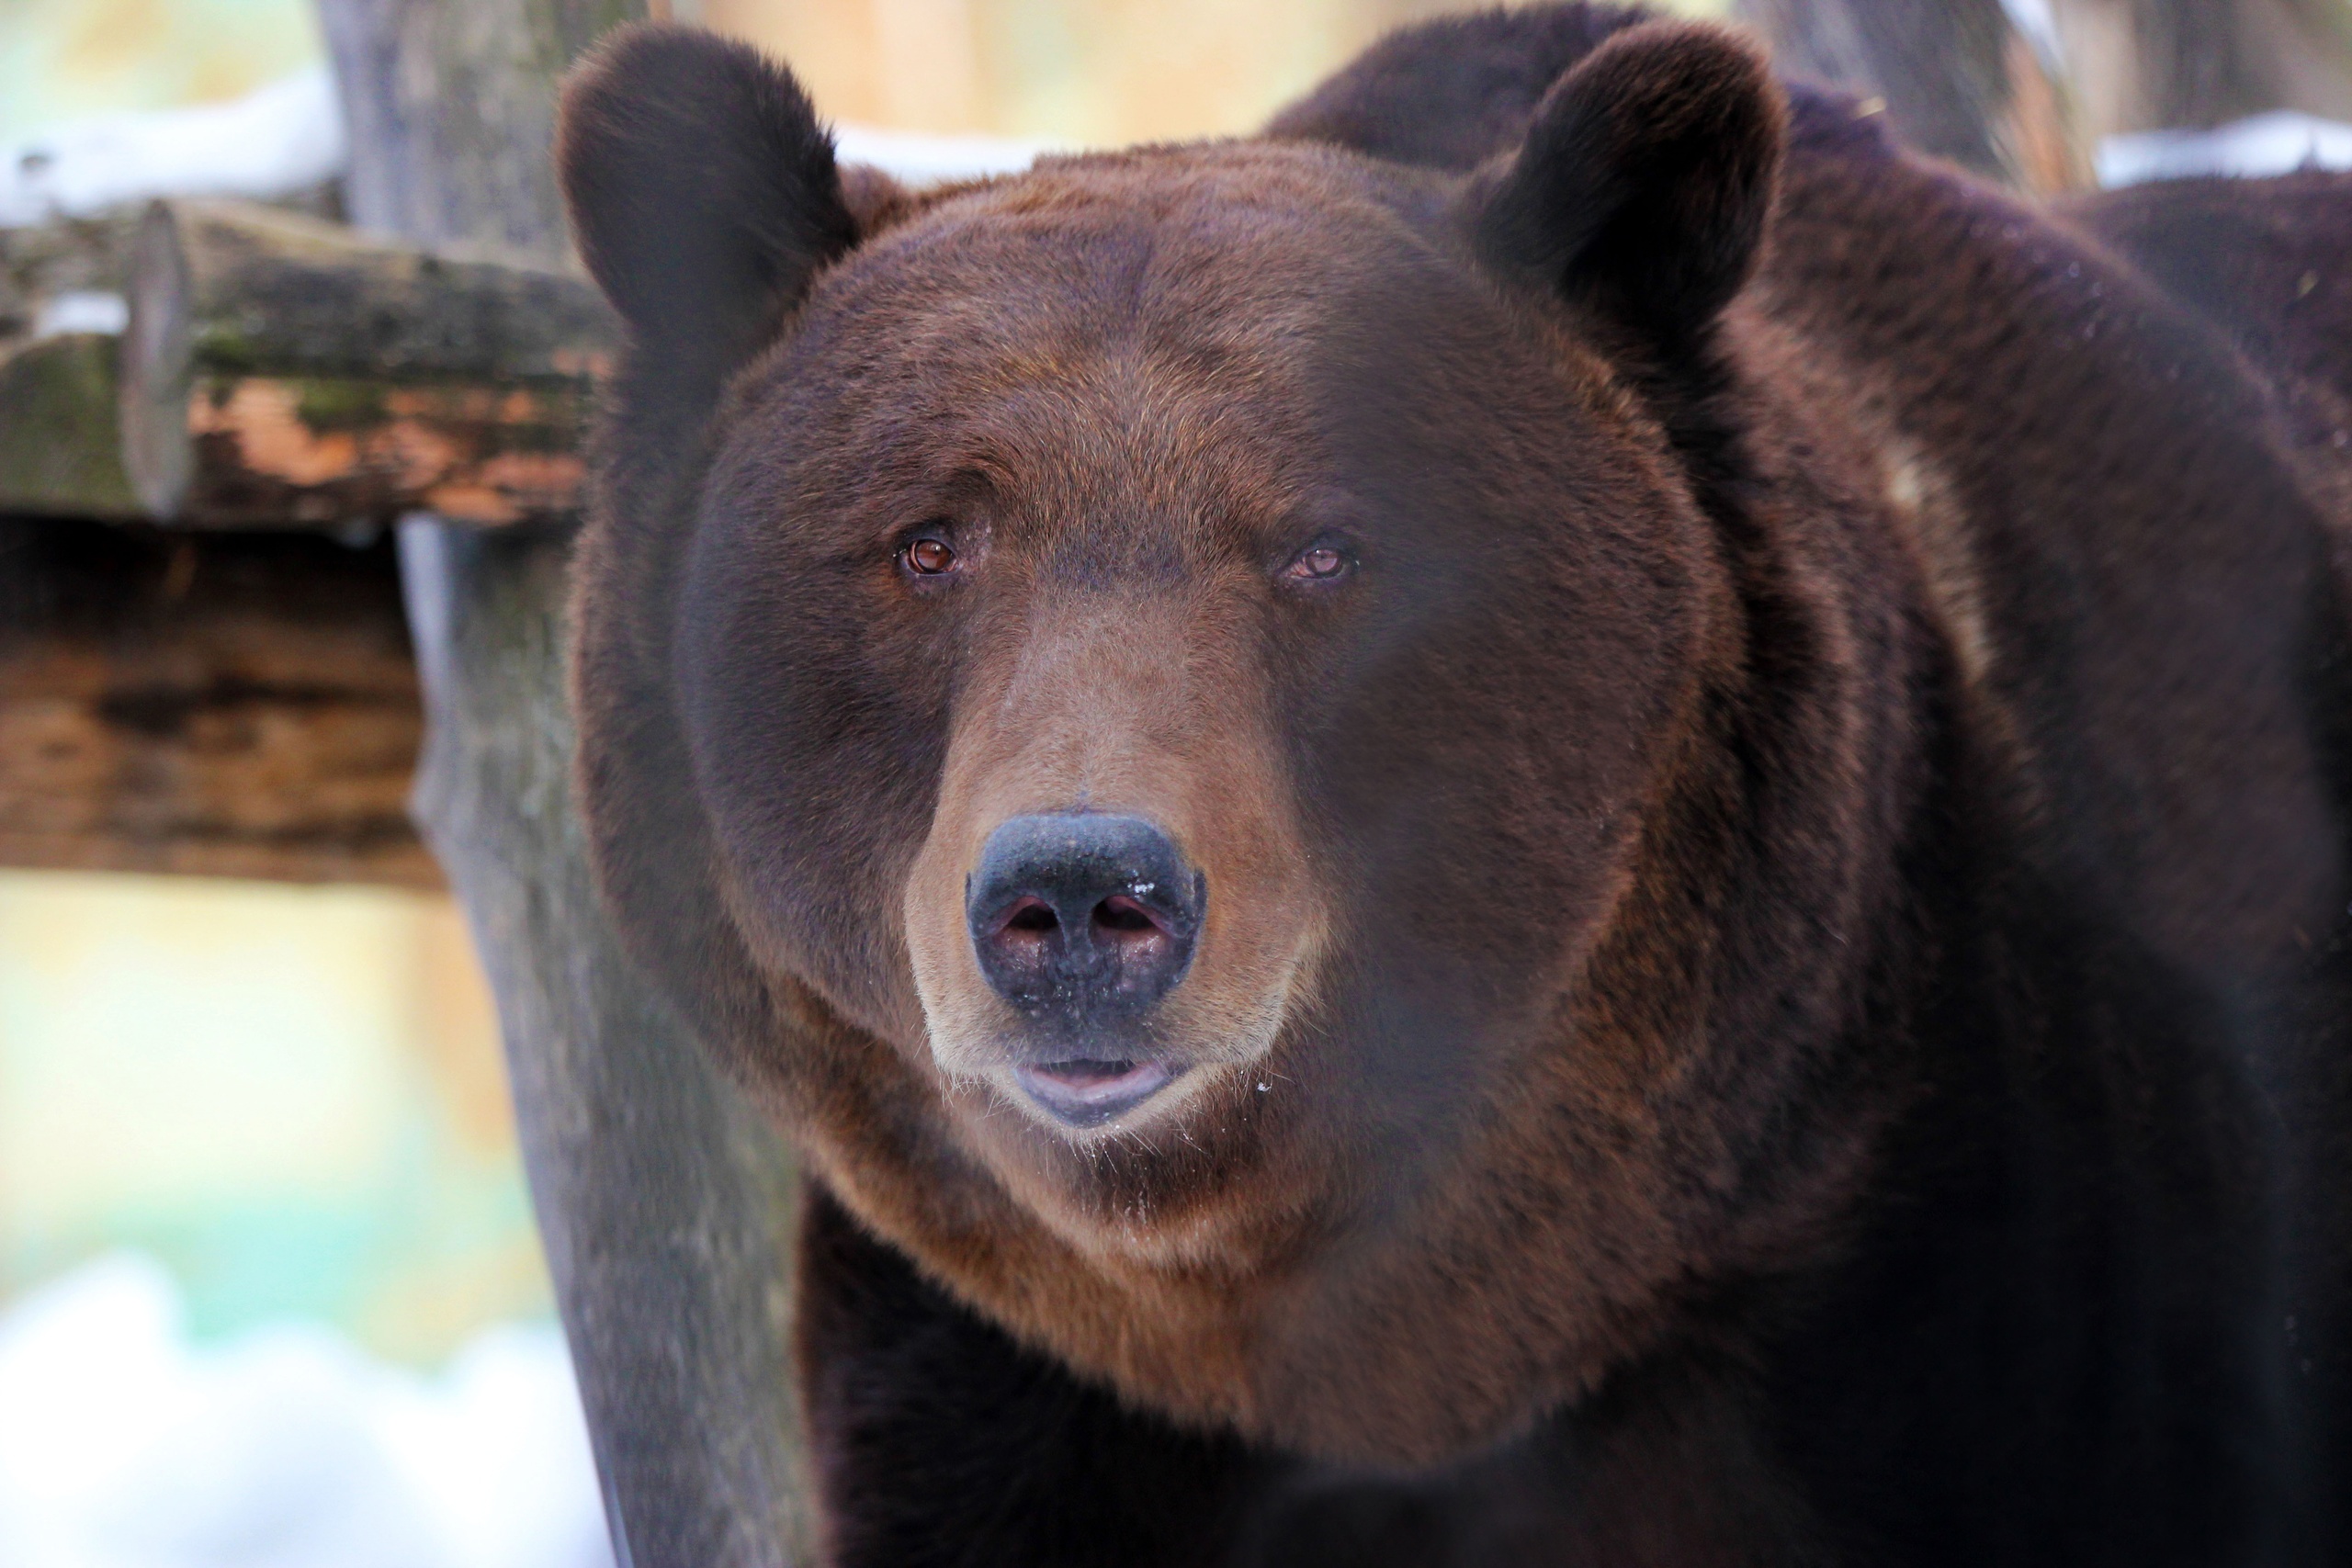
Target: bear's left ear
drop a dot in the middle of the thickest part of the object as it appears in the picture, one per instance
(1645, 180)
(703, 192)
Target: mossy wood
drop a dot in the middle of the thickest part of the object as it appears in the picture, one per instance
(278, 370)
(60, 454)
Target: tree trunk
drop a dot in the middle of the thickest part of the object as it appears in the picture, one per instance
(665, 1203)
(2165, 64)
(1956, 77)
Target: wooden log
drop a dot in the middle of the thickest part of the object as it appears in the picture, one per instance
(665, 1202)
(278, 370)
(226, 706)
(1956, 78)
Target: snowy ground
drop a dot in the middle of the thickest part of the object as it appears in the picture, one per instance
(122, 1445)
(286, 137)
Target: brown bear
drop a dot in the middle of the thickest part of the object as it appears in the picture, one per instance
(1564, 818)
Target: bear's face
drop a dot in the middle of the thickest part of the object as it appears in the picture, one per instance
(1233, 665)
(1153, 707)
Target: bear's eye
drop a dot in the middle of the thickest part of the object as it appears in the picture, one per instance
(1320, 562)
(928, 557)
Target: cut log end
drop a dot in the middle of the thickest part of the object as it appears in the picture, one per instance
(158, 368)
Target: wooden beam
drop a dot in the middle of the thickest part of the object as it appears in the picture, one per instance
(280, 371)
(278, 368)
(225, 706)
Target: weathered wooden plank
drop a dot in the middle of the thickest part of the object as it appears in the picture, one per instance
(225, 706)
(666, 1204)
(236, 286)
(280, 370)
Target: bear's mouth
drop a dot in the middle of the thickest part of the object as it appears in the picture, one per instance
(1087, 1093)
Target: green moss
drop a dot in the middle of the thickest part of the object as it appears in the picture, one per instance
(226, 351)
(59, 430)
(328, 405)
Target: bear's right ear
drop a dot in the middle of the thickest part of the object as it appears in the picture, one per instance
(1645, 180)
(703, 192)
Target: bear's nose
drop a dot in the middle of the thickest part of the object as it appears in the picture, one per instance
(1081, 918)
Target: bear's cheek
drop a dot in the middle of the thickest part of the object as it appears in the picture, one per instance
(816, 714)
(1482, 765)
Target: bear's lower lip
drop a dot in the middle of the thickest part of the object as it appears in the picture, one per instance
(1088, 1093)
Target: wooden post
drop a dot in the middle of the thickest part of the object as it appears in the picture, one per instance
(665, 1203)
(1957, 78)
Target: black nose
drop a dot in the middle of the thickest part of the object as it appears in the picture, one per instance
(1082, 916)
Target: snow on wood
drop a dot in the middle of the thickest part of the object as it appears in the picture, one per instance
(288, 138)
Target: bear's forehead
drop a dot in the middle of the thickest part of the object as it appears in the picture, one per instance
(1243, 281)
(1198, 242)
(1207, 325)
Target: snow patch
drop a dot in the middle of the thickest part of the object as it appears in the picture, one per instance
(289, 137)
(286, 137)
(80, 310)
(2275, 143)
(920, 160)
(124, 1446)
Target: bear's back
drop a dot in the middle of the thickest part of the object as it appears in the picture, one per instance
(2264, 259)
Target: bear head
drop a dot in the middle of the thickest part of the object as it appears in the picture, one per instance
(1186, 719)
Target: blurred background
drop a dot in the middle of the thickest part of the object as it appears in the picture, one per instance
(1080, 71)
(270, 1292)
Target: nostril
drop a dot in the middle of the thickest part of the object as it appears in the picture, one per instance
(1032, 917)
(1122, 916)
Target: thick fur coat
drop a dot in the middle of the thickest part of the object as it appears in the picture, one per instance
(1762, 730)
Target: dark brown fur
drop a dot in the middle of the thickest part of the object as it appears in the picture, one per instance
(1813, 845)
